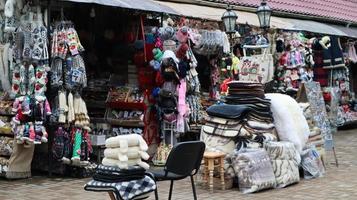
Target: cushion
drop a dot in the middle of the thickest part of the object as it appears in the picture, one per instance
(228, 111)
(285, 160)
(254, 170)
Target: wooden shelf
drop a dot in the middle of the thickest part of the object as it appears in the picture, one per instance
(6, 135)
(126, 123)
(126, 105)
(7, 114)
(97, 120)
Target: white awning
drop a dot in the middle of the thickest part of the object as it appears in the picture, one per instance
(350, 31)
(144, 5)
(209, 13)
(312, 26)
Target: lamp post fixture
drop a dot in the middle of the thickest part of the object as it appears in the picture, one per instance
(264, 14)
(229, 19)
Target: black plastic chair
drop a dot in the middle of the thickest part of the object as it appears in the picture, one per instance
(184, 160)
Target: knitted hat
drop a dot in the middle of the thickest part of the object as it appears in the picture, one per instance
(181, 51)
(157, 54)
(155, 64)
(169, 45)
(170, 54)
(155, 92)
(182, 34)
(167, 33)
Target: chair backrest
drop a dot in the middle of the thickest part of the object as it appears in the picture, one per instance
(185, 158)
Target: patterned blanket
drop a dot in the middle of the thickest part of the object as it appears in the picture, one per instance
(125, 190)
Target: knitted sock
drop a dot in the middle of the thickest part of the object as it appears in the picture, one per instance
(26, 134)
(44, 135)
(77, 145)
(62, 107)
(26, 106)
(22, 79)
(32, 133)
(70, 114)
(31, 80)
(38, 131)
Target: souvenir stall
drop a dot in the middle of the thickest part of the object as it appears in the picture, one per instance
(260, 132)
(302, 57)
(25, 65)
(344, 81)
(148, 83)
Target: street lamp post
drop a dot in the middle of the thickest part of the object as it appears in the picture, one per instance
(229, 19)
(264, 14)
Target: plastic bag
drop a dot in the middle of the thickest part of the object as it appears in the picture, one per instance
(311, 163)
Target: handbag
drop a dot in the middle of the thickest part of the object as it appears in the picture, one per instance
(256, 68)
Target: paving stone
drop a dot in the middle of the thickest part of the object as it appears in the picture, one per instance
(338, 183)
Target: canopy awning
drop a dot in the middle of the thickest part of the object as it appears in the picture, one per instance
(312, 26)
(209, 13)
(144, 5)
(215, 14)
(350, 31)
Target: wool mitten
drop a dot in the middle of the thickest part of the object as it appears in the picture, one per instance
(38, 132)
(26, 106)
(31, 80)
(22, 79)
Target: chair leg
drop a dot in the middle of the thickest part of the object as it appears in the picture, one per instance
(193, 188)
(111, 195)
(171, 186)
(156, 194)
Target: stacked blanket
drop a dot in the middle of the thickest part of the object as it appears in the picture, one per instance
(131, 183)
(222, 127)
(125, 150)
(258, 126)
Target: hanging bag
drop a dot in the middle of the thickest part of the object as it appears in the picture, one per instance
(256, 68)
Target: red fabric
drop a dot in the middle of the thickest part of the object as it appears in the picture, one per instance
(146, 76)
(139, 59)
(343, 10)
(148, 49)
(151, 130)
(327, 96)
(129, 37)
(320, 74)
(158, 79)
(181, 51)
(224, 85)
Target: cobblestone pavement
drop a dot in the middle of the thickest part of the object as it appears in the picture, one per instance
(338, 183)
